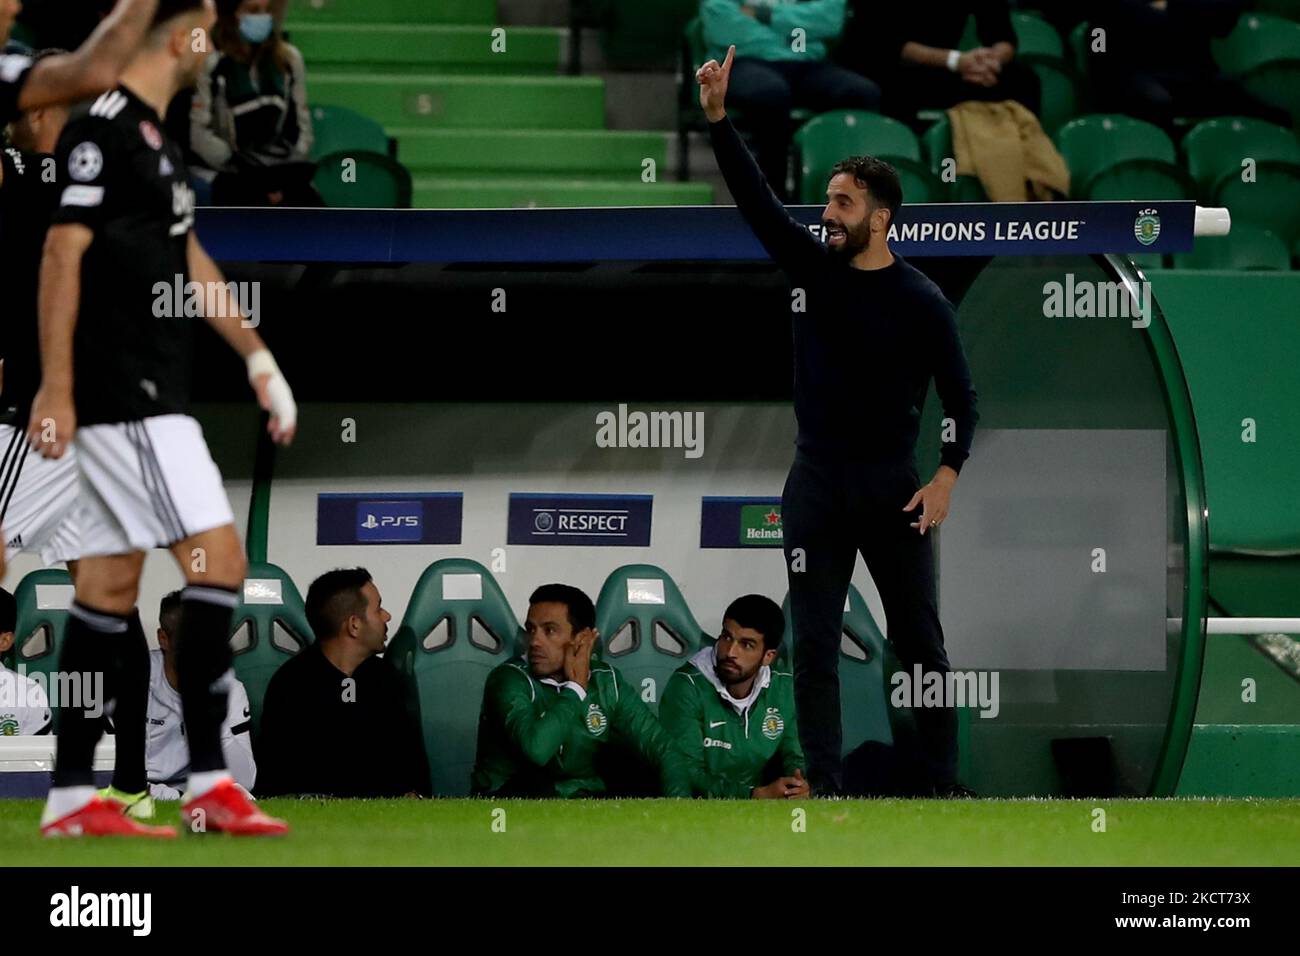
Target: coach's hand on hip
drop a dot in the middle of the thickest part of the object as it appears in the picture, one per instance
(713, 81)
(933, 499)
(54, 419)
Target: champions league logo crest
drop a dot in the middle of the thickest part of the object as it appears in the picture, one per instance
(1147, 227)
(773, 725)
(596, 720)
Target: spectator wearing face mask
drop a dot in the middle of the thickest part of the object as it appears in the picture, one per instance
(250, 126)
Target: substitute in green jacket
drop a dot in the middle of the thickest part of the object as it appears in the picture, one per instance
(732, 716)
(553, 718)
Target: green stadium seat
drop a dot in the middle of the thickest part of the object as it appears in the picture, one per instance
(1263, 52)
(646, 629)
(1258, 38)
(337, 129)
(1035, 36)
(390, 11)
(584, 154)
(467, 102)
(1060, 84)
(1247, 246)
(413, 48)
(457, 627)
(268, 627)
(1112, 157)
(866, 664)
(42, 598)
(938, 147)
(1214, 150)
(826, 139)
(373, 181)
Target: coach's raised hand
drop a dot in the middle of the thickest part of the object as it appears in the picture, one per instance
(713, 79)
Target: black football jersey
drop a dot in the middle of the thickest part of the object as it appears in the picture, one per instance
(126, 181)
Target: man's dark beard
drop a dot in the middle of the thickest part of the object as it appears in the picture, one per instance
(856, 239)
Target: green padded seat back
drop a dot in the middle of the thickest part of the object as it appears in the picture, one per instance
(269, 626)
(1036, 36)
(457, 627)
(1257, 39)
(43, 598)
(646, 628)
(374, 182)
(1246, 247)
(1215, 149)
(830, 137)
(338, 129)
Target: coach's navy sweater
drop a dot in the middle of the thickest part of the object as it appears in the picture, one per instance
(868, 341)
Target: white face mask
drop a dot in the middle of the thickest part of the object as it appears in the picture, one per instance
(256, 27)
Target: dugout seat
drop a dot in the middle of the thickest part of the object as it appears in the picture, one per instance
(269, 626)
(338, 130)
(43, 598)
(1113, 157)
(646, 629)
(457, 627)
(376, 182)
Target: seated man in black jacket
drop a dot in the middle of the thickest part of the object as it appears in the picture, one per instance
(333, 722)
(911, 51)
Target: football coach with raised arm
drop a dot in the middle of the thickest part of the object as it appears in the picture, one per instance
(871, 334)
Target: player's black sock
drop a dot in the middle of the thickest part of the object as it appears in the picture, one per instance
(86, 662)
(131, 707)
(202, 657)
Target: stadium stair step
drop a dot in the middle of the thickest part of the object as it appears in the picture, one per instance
(499, 193)
(467, 102)
(395, 48)
(583, 153)
(390, 11)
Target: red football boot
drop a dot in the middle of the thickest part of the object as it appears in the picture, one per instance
(225, 809)
(101, 817)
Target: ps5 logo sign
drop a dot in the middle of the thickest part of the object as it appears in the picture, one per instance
(394, 522)
(391, 521)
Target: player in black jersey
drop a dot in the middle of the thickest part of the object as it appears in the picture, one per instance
(37, 494)
(69, 77)
(123, 229)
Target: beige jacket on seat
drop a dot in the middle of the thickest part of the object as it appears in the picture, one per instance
(1004, 145)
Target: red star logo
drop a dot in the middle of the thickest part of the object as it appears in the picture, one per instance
(773, 517)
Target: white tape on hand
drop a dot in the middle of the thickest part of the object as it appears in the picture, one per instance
(283, 407)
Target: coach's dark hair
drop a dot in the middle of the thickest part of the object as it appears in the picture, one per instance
(169, 612)
(173, 8)
(582, 613)
(877, 177)
(333, 598)
(758, 613)
(8, 612)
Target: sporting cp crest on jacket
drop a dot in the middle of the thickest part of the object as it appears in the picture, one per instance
(773, 724)
(596, 720)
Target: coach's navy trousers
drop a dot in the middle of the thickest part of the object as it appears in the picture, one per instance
(831, 510)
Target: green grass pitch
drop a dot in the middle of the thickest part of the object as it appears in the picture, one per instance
(748, 833)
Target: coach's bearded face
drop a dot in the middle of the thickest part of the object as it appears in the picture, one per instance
(847, 239)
